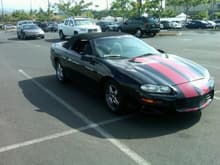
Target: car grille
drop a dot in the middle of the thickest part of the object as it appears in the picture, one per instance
(92, 30)
(194, 101)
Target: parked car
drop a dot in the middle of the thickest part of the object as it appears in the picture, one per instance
(52, 27)
(176, 25)
(165, 25)
(30, 31)
(127, 70)
(9, 26)
(211, 23)
(108, 26)
(140, 26)
(217, 23)
(196, 24)
(74, 26)
(19, 25)
(42, 25)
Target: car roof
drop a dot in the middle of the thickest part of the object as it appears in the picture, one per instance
(89, 36)
(28, 24)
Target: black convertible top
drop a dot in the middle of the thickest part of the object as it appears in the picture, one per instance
(90, 36)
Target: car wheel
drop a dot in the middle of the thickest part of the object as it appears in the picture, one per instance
(60, 74)
(138, 33)
(107, 30)
(62, 36)
(23, 36)
(113, 97)
(75, 33)
(152, 34)
(42, 37)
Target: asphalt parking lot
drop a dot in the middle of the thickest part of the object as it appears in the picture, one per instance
(45, 123)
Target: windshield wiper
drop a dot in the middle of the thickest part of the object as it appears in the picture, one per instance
(111, 55)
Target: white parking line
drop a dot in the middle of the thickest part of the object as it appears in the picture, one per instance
(216, 97)
(125, 149)
(61, 134)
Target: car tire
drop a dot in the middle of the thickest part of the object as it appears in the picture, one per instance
(107, 30)
(152, 34)
(75, 33)
(138, 33)
(60, 73)
(114, 97)
(42, 37)
(62, 36)
(23, 36)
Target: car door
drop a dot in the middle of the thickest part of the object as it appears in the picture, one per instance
(70, 28)
(83, 62)
(65, 28)
(127, 26)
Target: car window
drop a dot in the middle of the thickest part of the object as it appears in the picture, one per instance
(123, 47)
(66, 22)
(71, 23)
(82, 47)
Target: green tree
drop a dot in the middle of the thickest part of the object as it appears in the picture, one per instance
(100, 14)
(42, 15)
(152, 7)
(200, 15)
(119, 8)
(73, 8)
(186, 4)
(20, 15)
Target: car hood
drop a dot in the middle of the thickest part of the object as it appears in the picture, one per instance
(34, 30)
(164, 70)
(89, 26)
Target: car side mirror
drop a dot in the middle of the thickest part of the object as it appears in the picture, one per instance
(161, 51)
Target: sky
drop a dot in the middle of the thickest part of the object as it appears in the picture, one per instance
(11, 5)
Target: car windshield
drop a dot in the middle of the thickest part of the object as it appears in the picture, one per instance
(123, 46)
(84, 22)
(152, 20)
(30, 27)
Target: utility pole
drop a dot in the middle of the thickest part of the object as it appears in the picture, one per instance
(2, 9)
(140, 6)
(107, 5)
(48, 9)
(30, 7)
(212, 8)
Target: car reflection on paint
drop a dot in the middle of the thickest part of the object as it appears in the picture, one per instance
(128, 70)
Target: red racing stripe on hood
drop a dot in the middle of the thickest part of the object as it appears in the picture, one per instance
(181, 68)
(188, 90)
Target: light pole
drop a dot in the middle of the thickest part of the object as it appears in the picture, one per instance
(2, 9)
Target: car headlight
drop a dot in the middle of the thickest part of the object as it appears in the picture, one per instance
(156, 88)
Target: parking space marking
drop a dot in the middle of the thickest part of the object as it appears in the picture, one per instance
(61, 134)
(122, 147)
(216, 97)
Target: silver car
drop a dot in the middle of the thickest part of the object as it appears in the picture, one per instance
(30, 31)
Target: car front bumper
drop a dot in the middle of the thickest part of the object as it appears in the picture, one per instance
(168, 104)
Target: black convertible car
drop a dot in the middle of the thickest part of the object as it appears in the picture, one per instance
(128, 70)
